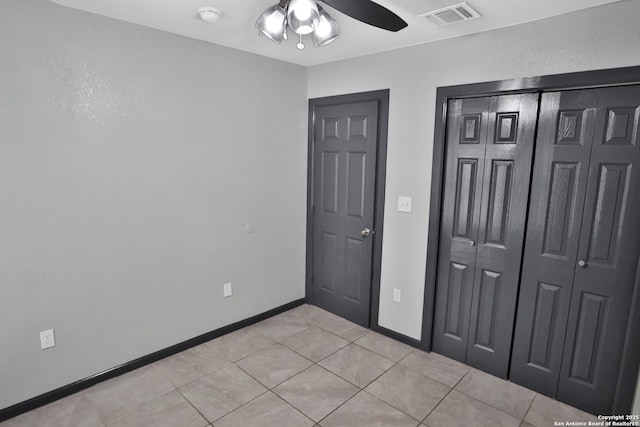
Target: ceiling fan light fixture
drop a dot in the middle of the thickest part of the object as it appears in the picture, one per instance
(273, 23)
(300, 45)
(326, 31)
(303, 16)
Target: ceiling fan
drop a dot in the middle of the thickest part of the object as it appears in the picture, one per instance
(307, 17)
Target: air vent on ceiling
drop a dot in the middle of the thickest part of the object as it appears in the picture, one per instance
(451, 15)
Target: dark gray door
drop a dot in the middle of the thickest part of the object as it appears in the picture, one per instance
(607, 256)
(467, 123)
(507, 171)
(562, 159)
(489, 150)
(344, 163)
(583, 246)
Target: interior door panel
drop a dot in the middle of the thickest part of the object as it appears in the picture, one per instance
(490, 141)
(582, 248)
(563, 149)
(345, 145)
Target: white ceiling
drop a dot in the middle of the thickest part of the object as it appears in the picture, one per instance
(235, 28)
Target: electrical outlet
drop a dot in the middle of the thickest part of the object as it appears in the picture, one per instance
(404, 204)
(47, 339)
(396, 295)
(227, 290)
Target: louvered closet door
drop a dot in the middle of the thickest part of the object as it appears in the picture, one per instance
(582, 248)
(489, 148)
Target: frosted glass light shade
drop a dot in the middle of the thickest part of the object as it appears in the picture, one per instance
(326, 31)
(303, 16)
(273, 23)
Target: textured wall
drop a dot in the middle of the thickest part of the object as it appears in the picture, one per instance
(131, 161)
(603, 37)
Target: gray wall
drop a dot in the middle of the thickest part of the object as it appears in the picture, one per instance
(131, 161)
(603, 37)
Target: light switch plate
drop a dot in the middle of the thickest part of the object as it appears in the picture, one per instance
(228, 291)
(404, 204)
(396, 295)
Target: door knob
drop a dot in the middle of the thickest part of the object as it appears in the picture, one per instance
(472, 243)
(365, 232)
(582, 263)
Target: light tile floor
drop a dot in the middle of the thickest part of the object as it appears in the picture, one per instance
(305, 367)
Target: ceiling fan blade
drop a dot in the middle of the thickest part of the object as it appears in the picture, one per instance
(369, 12)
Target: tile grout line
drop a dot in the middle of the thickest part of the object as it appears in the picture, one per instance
(389, 404)
(450, 388)
(331, 354)
(381, 355)
(231, 363)
(433, 379)
(204, 374)
(291, 405)
(281, 342)
(347, 380)
(490, 405)
(194, 407)
(110, 417)
(361, 389)
(287, 379)
(529, 408)
(281, 382)
(333, 373)
(335, 333)
(341, 405)
(354, 341)
(445, 396)
(418, 373)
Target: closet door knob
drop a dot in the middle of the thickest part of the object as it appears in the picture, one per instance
(582, 263)
(472, 243)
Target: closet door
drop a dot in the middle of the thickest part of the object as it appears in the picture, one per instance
(467, 123)
(563, 148)
(505, 190)
(582, 249)
(608, 254)
(489, 147)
